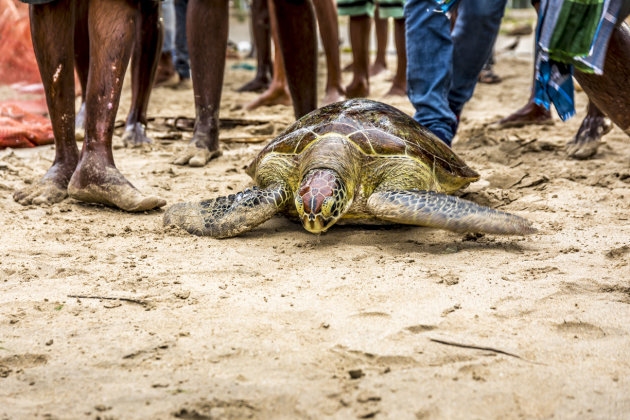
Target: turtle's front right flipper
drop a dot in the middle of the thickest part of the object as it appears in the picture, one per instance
(432, 209)
(224, 217)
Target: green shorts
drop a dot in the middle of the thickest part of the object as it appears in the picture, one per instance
(386, 8)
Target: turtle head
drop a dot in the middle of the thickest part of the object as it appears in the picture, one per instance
(321, 199)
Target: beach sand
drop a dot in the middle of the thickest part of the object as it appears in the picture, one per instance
(109, 315)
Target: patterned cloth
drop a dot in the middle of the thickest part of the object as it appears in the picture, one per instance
(570, 33)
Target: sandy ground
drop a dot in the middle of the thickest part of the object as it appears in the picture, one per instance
(280, 323)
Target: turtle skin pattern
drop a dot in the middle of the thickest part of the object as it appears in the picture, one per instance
(430, 208)
(227, 216)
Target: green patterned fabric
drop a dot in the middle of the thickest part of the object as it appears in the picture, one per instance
(575, 29)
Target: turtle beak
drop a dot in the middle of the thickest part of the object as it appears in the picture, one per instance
(314, 224)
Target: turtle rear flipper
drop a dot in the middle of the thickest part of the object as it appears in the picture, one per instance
(224, 217)
(432, 209)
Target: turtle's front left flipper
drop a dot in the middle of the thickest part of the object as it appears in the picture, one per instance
(432, 209)
(224, 217)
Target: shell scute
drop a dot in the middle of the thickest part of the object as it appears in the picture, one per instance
(361, 140)
(384, 143)
(344, 128)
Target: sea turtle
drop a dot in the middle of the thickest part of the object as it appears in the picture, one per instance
(352, 159)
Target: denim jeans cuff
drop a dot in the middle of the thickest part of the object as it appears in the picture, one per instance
(444, 135)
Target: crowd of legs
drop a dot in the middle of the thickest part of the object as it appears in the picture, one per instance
(438, 66)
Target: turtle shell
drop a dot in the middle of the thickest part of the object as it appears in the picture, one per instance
(376, 128)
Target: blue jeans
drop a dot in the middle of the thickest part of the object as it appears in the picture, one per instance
(168, 16)
(442, 67)
(180, 54)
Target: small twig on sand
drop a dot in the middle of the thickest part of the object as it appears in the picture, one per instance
(524, 144)
(473, 346)
(519, 181)
(130, 300)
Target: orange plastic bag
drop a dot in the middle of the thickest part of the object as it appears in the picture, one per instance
(19, 128)
(17, 58)
(18, 68)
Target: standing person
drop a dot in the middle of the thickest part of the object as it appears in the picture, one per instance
(396, 11)
(361, 13)
(261, 33)
(381, 30)
(278, 92)
(166, 74)
(384, 10)
(328, 23)
(607, 95)
(147, 41)
(180, 51)
(443, 66)
(487, 75)
(90, 176)
(206, 33)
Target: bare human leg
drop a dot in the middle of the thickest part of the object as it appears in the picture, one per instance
(359, 39)
(96, 178)
(530, 113)
(261, 33)
(381, 27)
(278, 91)
(81, 61)
(299, 51)
(52, 29)
(326, 11)
(588, 138)
(608, 95)
(399, 85)
(144, 61)
(610, 92)
(207, 62)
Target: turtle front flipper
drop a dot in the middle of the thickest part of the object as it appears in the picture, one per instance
(432, 209)
(224, 217)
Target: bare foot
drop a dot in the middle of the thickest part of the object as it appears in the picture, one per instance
(488, 76)
(95, 181)
(51, 189)
(134, 135)
(377, 68)
(397, 90)
(333, 94)
(589, 137)
(196, 156)
(203, 147)
(358, 89)
(275, 95)
(528, 115)
(79, 123)
(258, 84)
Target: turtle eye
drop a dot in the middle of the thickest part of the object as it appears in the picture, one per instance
(327, 207)
(299, 205)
